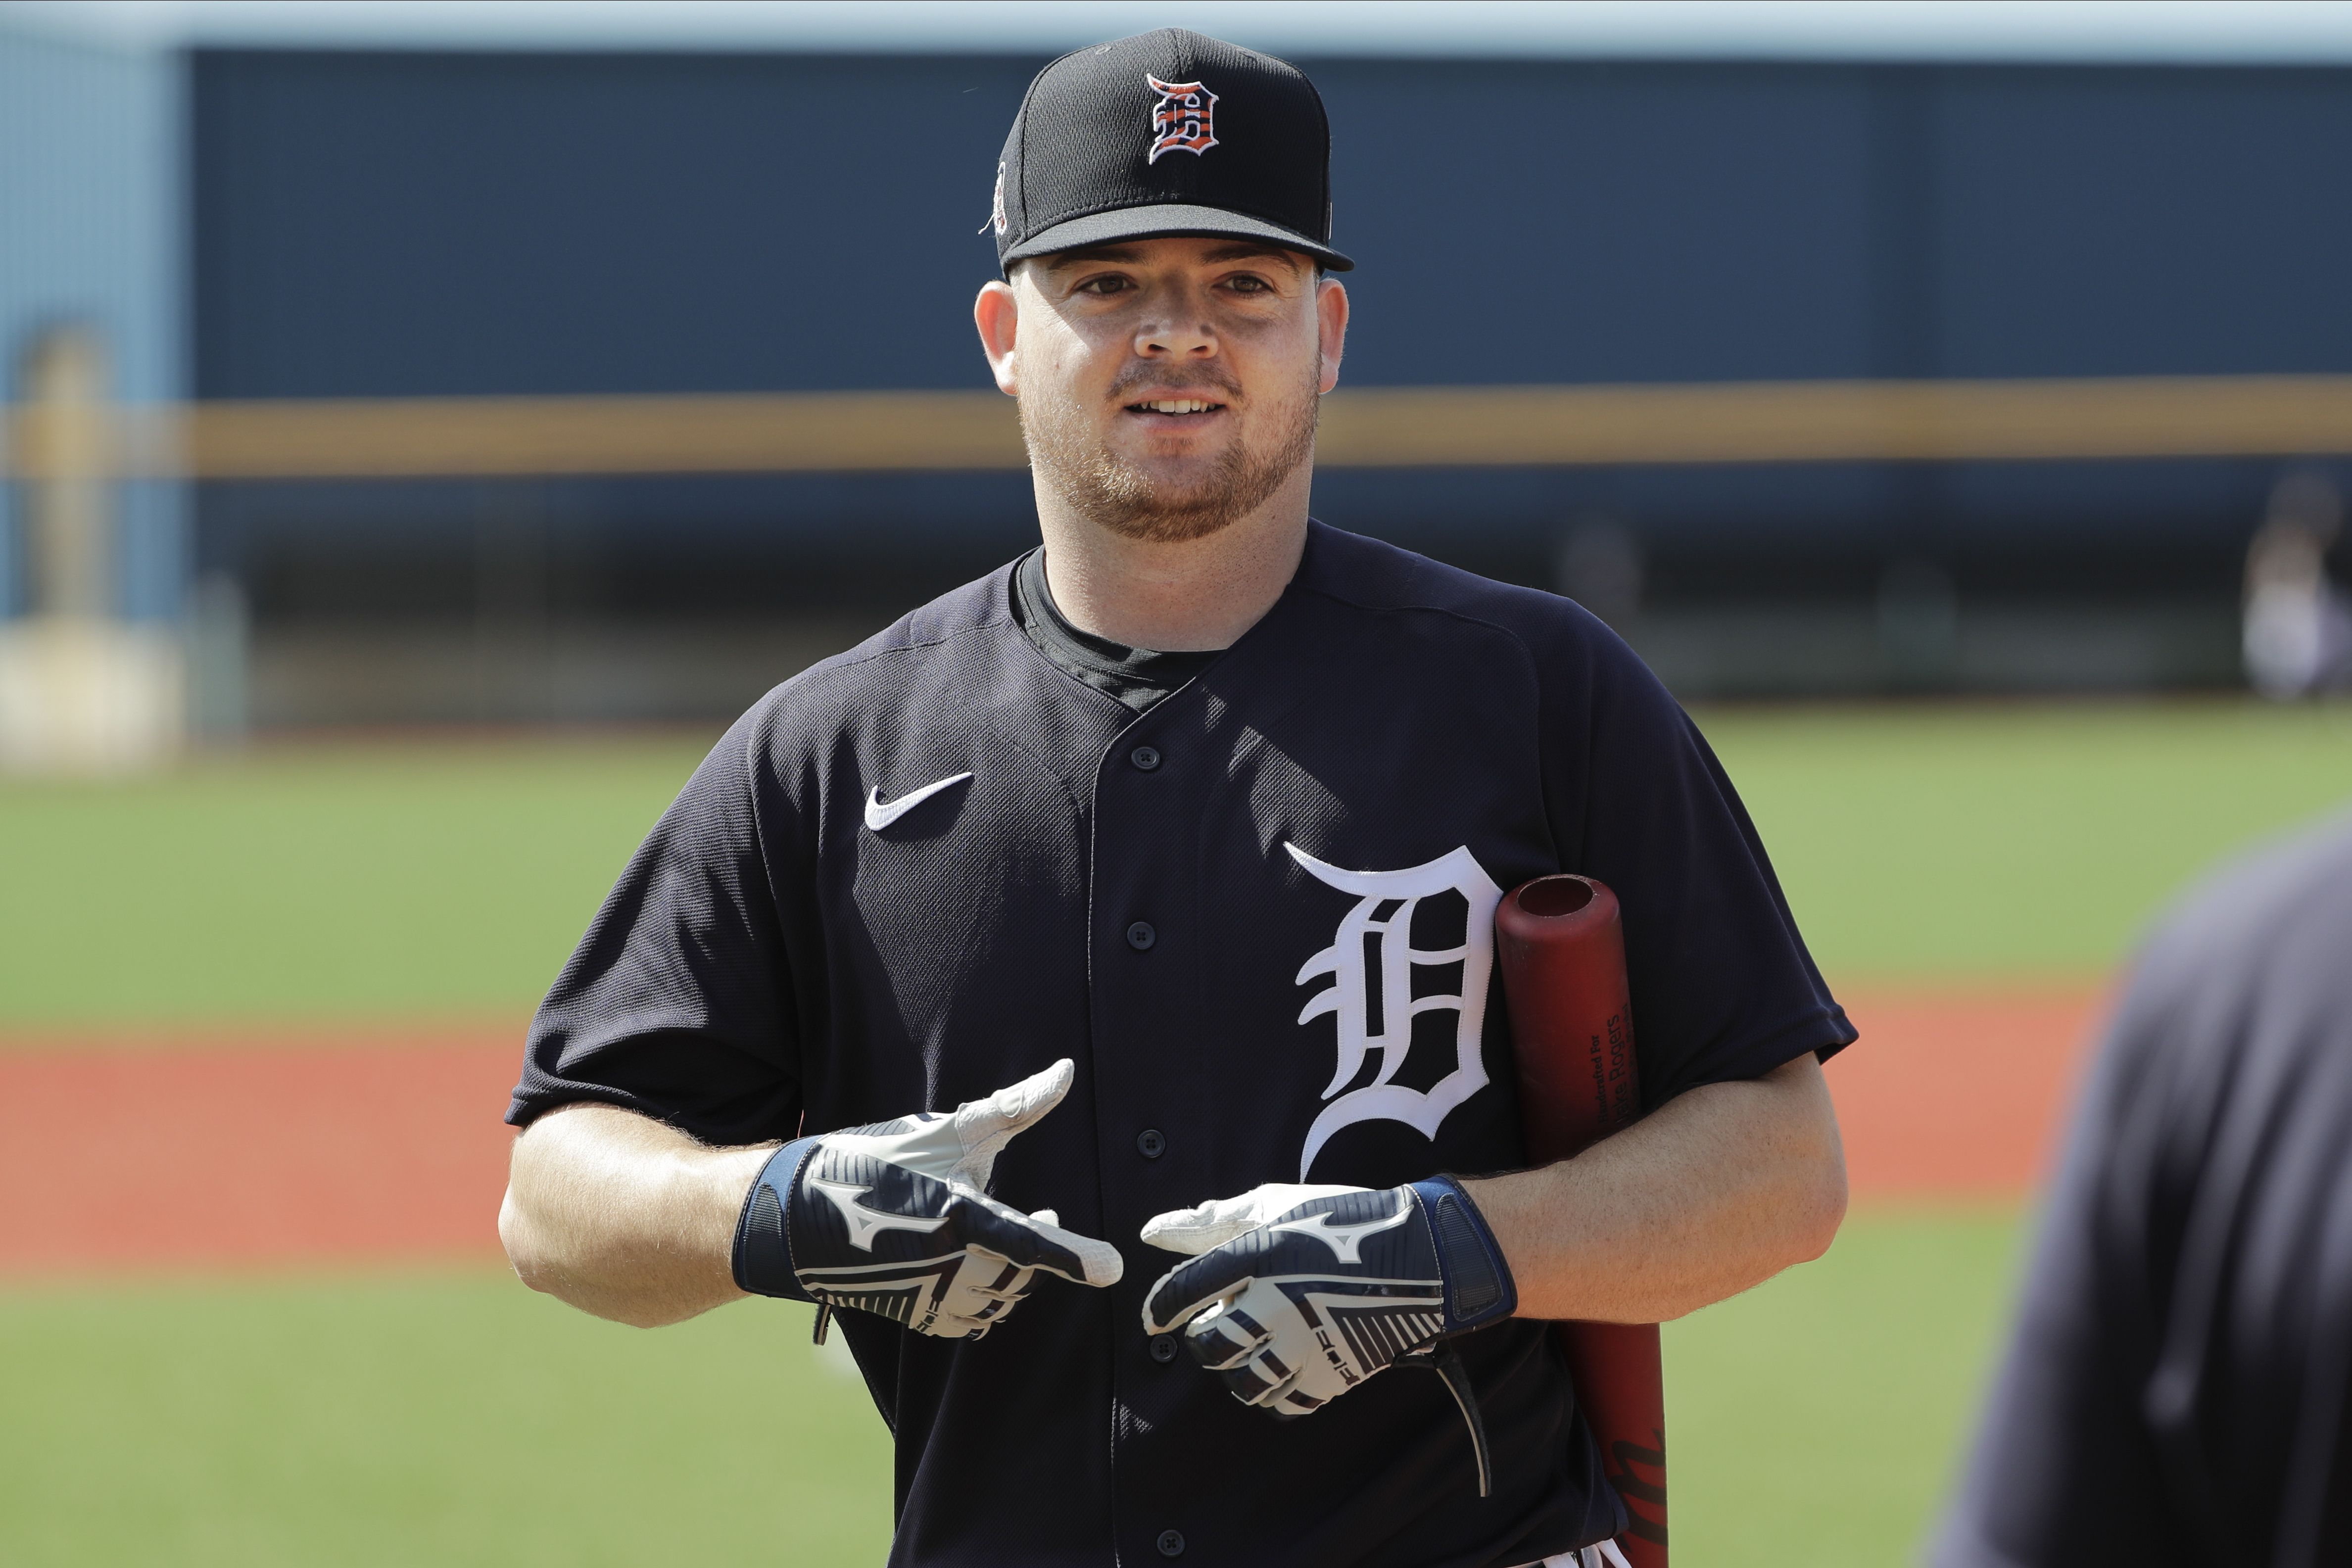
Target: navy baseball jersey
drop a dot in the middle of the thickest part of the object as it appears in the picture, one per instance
(1257, 914)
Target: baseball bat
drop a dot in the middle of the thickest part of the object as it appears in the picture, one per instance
(1563, 947)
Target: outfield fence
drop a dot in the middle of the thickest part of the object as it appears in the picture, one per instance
(1377, 427)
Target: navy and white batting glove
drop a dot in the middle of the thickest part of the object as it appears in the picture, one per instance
(891, 1219)
(1300, 1293)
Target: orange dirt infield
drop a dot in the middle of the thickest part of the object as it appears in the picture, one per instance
(212, 1154)
(1960, 1094)
(364, 1147)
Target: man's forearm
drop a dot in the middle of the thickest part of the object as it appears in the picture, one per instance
(624, 1216)
(1715, 1191)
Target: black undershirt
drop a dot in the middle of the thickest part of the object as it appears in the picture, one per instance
(1138, 678)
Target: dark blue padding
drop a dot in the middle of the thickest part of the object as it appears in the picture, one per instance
(1479, 1289)
(763, 1252)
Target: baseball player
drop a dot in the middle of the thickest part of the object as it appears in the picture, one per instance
(1083, 990)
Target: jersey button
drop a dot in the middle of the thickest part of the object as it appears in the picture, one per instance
(1149, 1143)
(1141, 937)
(1171, 1543)
(1163, 1348)
(1145, 757)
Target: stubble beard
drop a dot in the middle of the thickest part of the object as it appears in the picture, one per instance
(1122, 499)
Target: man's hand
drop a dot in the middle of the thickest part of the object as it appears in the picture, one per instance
(1300, 1293)
(890, 1218)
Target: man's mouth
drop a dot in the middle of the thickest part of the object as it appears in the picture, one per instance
(1176, 405)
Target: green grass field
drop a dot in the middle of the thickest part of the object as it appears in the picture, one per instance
(1993, 841)
(447, 1418)
(456, 1418)
(360, 881)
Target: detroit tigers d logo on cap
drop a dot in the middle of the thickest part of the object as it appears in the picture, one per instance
(1089, 160)
(1183, 119)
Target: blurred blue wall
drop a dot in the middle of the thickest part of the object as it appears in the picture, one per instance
(381, 222)
(373, 224)
(90, 159)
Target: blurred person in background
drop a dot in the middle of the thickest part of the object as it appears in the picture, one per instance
(2178, 1385)
(2298, 630)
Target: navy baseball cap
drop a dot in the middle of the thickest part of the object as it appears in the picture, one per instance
(1162, 134)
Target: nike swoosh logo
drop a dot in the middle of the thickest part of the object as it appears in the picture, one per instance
(1344, 1239)
(880, 816)
(866, 1224)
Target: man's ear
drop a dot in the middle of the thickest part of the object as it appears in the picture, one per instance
(1331, 329)
(997, 314)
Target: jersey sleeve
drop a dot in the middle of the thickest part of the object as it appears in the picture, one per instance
(678, 1002)
(1722, 986)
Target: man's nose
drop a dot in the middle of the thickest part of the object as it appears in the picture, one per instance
(1179, 334)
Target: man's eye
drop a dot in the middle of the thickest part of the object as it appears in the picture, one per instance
(1103, 286)
(1248, 285)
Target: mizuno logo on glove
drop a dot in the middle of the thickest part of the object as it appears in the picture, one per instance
(866, 1223)
(891, 1219)
(1345, 1241)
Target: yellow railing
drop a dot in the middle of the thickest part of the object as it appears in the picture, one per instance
(1379, 427)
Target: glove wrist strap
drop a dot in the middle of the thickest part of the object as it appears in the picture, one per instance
(763, 1257)
(1478, 1285)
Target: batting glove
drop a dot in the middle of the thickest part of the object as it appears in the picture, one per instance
(1300, 1293)
(890, 1218)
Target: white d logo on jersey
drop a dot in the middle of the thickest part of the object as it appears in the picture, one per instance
(1371, 960)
